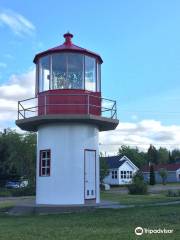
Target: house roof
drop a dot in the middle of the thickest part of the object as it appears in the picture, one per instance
(117, 161)
(114, 161)
(67, 46)
(168, 167)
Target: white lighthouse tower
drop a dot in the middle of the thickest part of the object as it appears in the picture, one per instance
(67, 112)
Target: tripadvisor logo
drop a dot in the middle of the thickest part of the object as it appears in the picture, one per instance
(139, 231)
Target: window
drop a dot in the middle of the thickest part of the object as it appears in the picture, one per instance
(68, 71)
(44, 166)
(59, 71)
(98, 77)
(75, 71)
(114, 174)
(44, 73)
(126, 174)
(90, 73)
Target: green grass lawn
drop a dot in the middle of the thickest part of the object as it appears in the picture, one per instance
(102, 224)
(128, 199)
(5, 205)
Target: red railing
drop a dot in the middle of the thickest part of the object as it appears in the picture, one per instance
(67, 104)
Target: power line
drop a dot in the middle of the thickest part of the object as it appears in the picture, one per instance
(139, 144)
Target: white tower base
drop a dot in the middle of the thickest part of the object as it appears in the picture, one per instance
(74, 164)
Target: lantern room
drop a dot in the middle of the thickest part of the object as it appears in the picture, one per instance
(71, 70)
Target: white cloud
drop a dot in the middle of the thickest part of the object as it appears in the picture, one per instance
(16, 22)
(140, 134)
(18, 87)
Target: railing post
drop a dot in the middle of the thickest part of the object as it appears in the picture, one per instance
(18, 110)
(101, 105)
(45, 105)
(88, 103)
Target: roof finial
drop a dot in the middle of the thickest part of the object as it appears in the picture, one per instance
(68, 37)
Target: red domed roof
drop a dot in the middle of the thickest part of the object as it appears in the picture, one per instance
(67, 46)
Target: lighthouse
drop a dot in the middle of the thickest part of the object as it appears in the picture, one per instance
(67, 112)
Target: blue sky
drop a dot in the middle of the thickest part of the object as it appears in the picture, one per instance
(138, 40)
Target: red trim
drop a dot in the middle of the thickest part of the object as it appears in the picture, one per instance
(90, 150)
(56, 50)
(40, 164)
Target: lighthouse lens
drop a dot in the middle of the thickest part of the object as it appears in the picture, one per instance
(67, 71)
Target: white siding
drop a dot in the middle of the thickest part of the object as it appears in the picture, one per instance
(67, 143)
(124, 167)
(112, 181)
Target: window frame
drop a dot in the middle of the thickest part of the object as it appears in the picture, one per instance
(46, 165)
(126, 174)
(114, 174)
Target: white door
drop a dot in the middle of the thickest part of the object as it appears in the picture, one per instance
(90, 174)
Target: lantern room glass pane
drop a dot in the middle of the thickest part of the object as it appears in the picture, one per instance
(90, 73)
(75, 71)
(98, 77)
(67, 71)
(44, 73)
(59, 71)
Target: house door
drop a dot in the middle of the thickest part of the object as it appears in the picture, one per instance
(90, 174)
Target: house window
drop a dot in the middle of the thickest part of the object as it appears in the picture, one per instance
(126, 174)
(44, 166)
(114, 174)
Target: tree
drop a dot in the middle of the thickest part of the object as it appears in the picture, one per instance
(138, 185)
(163, 173)
(170, 158)
(152, 180)
(175, 155)
(17, 156)
(104, 170)
(152, 155)
(137, 157)
(163, 155)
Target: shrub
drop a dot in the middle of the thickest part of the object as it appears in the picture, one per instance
(4, 192)
(171, 193)
(152, 180)
(27, 191)
(163, 173)
(138, 185)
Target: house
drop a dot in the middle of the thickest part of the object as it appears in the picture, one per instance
(173, 170)
(121, 170)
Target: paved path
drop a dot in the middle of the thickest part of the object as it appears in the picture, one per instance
(151, 189)
(27, 205)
